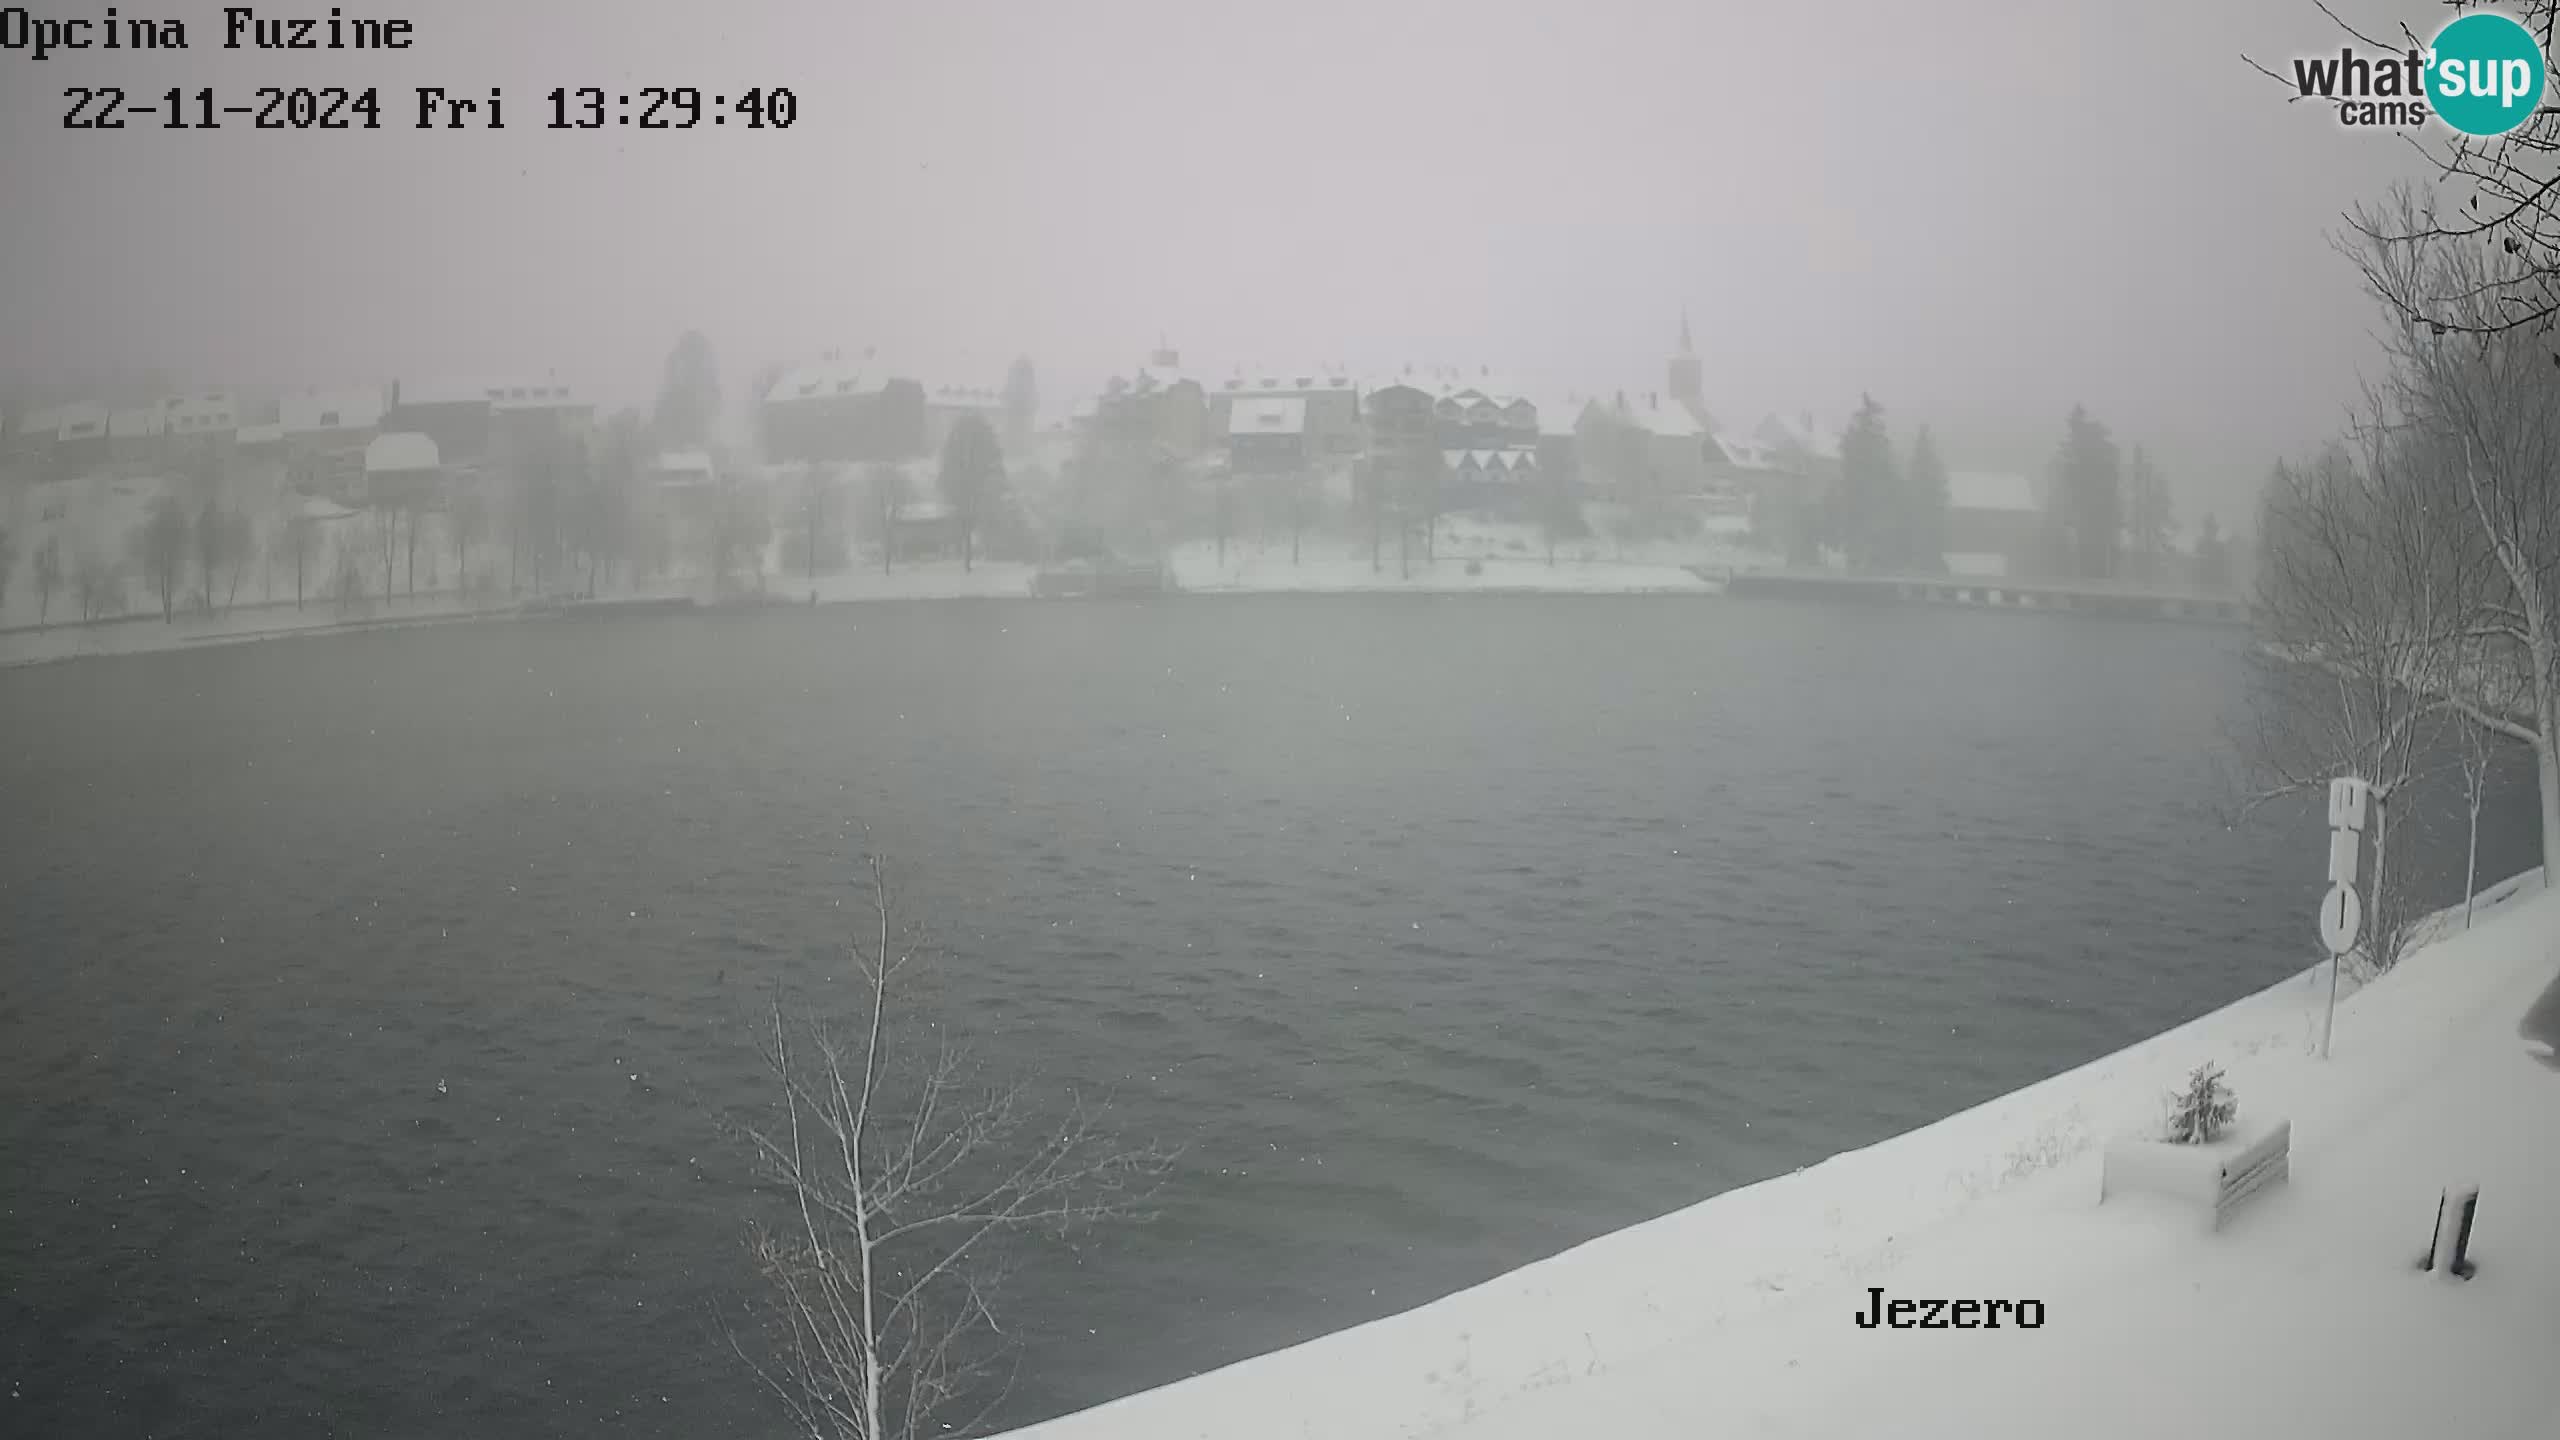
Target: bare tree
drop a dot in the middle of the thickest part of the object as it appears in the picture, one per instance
(294, 537)
(48, 569)
(2362, 581)
(98, 580)
(225, 545)
(2478, 758)
(2506, 202)
(2484, 404)
(811, 526)
(160, 547)
(888, 486)
(384, 519)
(466, 523)
(972, 479)
(207, 536)
(739, 530)
(906, 1179)
(239, 548)
(346, 579)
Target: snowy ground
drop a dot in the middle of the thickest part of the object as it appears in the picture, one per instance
(930, 580)
(1502, 560)
(1469, 556)
(137, 634)
(2304, 1316)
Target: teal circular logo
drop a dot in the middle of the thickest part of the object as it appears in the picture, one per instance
(2484, 74)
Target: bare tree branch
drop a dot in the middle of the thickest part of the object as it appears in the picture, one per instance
(908, 1181)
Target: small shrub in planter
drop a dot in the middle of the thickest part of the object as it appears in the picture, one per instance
(2203, 1111)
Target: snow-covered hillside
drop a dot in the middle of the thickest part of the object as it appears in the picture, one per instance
(2305, 1316)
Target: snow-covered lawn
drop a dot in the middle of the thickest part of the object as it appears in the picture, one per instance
(1330, 566)
(134, 635)
(930, 580)
(2304, 1316)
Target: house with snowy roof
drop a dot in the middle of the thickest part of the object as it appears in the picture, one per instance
(325, 434)
(455, 414)
(544, 422)
(28, 440)
(202, 426)
(402, 468)
(262, 442)
(1330, 400)
(1267, 434)
(840, 411)
(1161, 406)
(1992, 522)
(1780, 472)
(134, 434)
(1487, 477)
(31, 438)
(1676, 447)
(331, 418)
(79, 438)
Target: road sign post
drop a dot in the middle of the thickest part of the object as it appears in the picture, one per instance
(2341, 912)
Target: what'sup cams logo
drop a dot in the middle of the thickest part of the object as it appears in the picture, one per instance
(2483, 75)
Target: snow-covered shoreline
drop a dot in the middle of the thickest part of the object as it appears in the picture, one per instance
(138, 635)
(1733, 1316)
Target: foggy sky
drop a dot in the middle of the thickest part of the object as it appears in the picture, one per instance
(1982, 212)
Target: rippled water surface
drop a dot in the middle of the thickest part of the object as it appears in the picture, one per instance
(367, 1004)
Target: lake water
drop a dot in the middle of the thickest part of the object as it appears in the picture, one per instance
(367, 1003)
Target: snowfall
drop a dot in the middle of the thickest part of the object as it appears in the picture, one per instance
(2306, 1313)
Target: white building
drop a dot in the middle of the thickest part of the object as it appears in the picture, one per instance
(1992, 518)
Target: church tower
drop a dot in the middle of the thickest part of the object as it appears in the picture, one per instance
(1688, 377)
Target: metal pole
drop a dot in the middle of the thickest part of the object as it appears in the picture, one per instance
(2329, 1018)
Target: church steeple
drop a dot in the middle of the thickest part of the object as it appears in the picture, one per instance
(1687, 374)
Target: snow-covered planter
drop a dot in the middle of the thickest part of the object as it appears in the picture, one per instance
(2203, 1155)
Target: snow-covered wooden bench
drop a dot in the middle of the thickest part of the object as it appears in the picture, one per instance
(2221, 1175)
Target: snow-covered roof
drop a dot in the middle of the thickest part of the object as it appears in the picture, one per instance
(1671, 422)
(199, 414)
(1468, 397)
(916, 511)
(81, 421)
(321, 411)
(443, 392)
(259, 435)
(402, 450)
(1990, 490)
(1745, 453)
(545, 395)
(1561, 416)
(1268, 415)
(1802, 435)
(139, 423)
(1287, 380)
(830, 376)
(964, 397)
(497, 394)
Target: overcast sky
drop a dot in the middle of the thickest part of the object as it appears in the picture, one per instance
(1982, 211)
